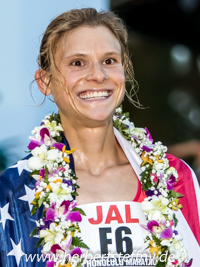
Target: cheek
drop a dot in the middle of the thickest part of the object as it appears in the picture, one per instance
(119, 77)
(120, 81)
(73, 79)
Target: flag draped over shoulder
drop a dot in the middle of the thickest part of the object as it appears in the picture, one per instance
(17, 248)
(17, 192)
(186, 187)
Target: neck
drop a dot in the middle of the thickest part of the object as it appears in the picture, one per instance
(96, 147)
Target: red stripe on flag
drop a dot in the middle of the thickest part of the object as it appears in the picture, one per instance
(185, 186)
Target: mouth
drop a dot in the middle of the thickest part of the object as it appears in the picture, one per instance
(95, 95)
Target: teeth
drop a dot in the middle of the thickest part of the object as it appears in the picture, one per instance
(95, 95)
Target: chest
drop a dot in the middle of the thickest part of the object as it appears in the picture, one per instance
(118, 183)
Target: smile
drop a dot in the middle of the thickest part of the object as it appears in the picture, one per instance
(88, 95)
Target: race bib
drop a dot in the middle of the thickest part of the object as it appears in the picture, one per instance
(113, 232)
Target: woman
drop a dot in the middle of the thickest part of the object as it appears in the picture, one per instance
(84, 64)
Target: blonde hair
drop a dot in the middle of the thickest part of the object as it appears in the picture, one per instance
(74, 18)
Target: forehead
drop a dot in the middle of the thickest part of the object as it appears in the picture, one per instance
(88, 40)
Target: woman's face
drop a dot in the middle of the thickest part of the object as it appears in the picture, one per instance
(90, 65)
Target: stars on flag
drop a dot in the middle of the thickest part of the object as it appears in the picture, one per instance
(5, 215)
(21, 165)
(30, 195)
(16, 251)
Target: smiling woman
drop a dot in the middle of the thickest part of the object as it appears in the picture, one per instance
(91, 74)
(128, 188)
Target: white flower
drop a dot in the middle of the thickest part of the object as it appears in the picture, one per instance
(175, 246)
(119, 110)
(35, 163)
(53, 127)
(155, 208)
(52, 236)
(42, 156)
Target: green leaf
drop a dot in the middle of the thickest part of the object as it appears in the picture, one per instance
(47, 194)
(148, 183)
(34, 172)
(160, 264)
(157, 240)
(80, 263)
(34, 232)
(144, 187)
(33, 211)
(74, 193)
(78, 242)
(40, 242)
(59, 139)
(175, 220)
(175, 194)
(41, 200)
(80, 210)
(72, 229)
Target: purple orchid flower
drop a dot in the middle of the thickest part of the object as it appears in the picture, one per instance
(75, 251)
(146, 148)
(155, 227)
(45, 138)
(55, 247)
(50, 214)
(171, 182)
(52, 172)
(50, 263)
(167, 233)
(42, 172)
(59, 146)
(73, 216)
(64, 209)
(184, 264)
(149, 135)
(151, 224)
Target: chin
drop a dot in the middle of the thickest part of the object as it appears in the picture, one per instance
(97, 119)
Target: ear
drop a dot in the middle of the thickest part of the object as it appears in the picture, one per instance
(42, 81)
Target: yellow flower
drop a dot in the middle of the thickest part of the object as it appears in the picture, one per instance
(146, 159)
(66, 159)
(159, 160)
(49, 187)
(154, 248)
(67, 151)
(175, 204)
(65, 265)
(37, 195)
(57, 181)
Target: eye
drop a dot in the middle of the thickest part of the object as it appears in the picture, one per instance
(109, 61)
(77, 63)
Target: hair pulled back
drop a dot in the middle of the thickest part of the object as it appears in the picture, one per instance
(73, 19)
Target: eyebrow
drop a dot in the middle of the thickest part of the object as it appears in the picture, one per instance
(111, 53)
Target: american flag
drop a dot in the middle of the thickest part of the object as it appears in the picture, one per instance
(17, 248)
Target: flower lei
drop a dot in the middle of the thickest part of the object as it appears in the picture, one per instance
(58, 229)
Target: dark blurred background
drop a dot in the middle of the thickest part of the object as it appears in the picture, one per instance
(164, 41)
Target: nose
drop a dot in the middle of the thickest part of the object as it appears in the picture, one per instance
(96, 73)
